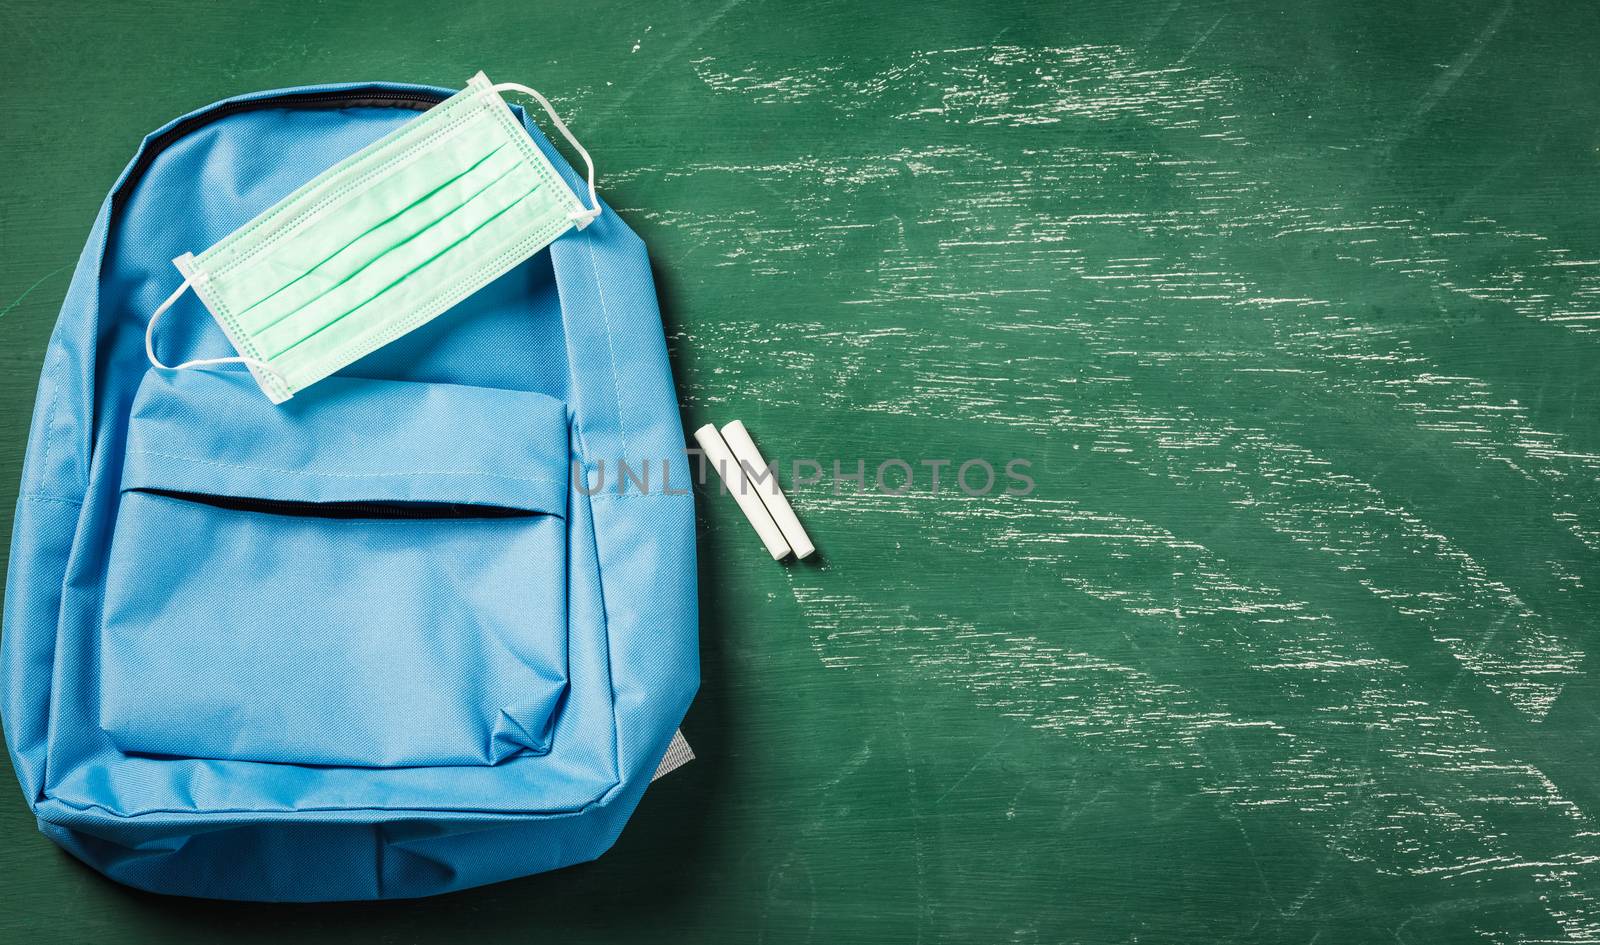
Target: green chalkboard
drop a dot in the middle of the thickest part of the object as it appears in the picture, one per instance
(1294, 310)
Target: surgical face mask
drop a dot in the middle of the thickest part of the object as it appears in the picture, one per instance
(383, 241)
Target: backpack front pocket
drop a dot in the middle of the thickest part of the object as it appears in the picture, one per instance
(371, 575)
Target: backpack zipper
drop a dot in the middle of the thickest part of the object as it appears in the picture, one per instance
(345, 98)
(381, 510)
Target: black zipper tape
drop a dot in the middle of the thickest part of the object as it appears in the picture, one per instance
(345, 510)
(345, 98)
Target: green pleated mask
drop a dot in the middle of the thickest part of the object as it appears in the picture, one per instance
(383, 242)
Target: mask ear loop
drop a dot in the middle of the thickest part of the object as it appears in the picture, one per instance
(594, 200)
(150, 348)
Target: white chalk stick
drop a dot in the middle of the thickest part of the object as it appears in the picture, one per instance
(716, 450)
(750, 458)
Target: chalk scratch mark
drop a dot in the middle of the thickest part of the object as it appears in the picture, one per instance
(672, 56)
(29, 290)
(976, 762)
(1442, 86)
(1201, 41)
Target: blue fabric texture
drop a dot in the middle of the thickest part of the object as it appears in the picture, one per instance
(369, 643)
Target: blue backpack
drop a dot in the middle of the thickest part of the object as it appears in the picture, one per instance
(370, 643)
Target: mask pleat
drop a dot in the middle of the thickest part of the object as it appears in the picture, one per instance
(244, 314)
(413, 223)
(440, 127)
(306, 262)
(475, 230)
